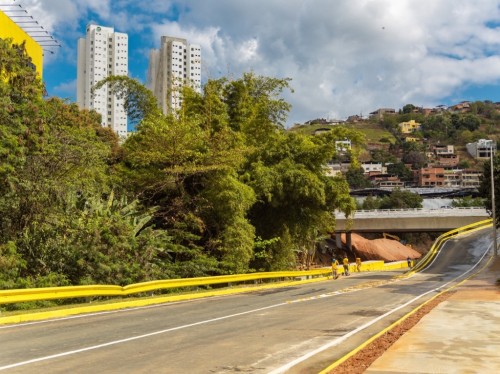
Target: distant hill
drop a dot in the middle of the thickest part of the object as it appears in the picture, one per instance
(456, 125)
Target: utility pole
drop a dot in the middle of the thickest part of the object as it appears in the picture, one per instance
(493, 202)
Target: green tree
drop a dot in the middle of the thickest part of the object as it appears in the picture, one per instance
(60, 221)
(438, 127)
(399, 199)
(356, 178)
(399, 169)
(409, 108)
(383, 156)
(232, 137)
(21, 94)
(370, 203)
(467, 202)
(416, 158)
(470, 122)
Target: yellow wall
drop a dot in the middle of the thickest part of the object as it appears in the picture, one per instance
(409, 127)
(8, 29)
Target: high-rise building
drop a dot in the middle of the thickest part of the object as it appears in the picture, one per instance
(102, 53)
(174, 65)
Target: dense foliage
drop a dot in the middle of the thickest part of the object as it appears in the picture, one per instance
(397, 199)
(219, 187)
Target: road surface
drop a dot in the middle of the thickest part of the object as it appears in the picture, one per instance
(299, 329)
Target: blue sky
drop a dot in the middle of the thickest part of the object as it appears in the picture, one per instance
(344, 57)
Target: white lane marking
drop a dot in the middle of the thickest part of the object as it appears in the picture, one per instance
(62, 354)
(126, 310)
(337, 341)
(279, 370)
(17, 364)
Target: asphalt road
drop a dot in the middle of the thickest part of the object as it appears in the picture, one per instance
(299, 329)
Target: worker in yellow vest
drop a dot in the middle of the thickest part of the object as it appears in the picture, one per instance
(335, 263)
(358, 264)
(345, 261)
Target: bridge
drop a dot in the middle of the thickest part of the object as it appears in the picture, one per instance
(409, 220)
(429, 192)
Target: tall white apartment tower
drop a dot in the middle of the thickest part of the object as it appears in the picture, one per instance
(174, 65)
(102, 53)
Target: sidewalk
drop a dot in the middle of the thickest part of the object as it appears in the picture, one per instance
(460, 335)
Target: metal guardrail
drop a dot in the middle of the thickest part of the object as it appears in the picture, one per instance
(50, 293)
(438, 243)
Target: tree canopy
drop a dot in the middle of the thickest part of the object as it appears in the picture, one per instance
(217, 187)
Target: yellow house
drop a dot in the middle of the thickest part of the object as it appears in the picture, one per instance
(9, 29)
(409, 127)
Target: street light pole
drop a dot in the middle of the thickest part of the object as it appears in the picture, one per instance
(493, 202)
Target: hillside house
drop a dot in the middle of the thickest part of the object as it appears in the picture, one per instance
(374, 168)
(447, 160)
(443, 149)
(429, 177)
(334, 169)
(470, 178)
(342, 146)
(354, 118)
(409, 127)
(386, 180)
(482, 148)
(381, 112)
(452, 178)
(461, 107)
(411, 139)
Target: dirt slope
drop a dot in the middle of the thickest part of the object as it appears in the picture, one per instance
(380, 249)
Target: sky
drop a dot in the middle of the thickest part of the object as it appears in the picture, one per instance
(344, 57)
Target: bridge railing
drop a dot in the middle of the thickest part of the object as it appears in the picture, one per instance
(421, 212)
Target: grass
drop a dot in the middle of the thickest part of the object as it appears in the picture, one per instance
(373, 132)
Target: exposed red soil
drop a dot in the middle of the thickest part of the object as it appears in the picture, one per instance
(380, 249)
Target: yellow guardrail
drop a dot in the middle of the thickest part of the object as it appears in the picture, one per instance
(50, 293)
(438, 243)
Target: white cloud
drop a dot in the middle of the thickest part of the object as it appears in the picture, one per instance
(345, 57)
(63, 15)
(65, 88)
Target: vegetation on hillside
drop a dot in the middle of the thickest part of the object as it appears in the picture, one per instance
(444, 127)
(397, 199)
(220, 187)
